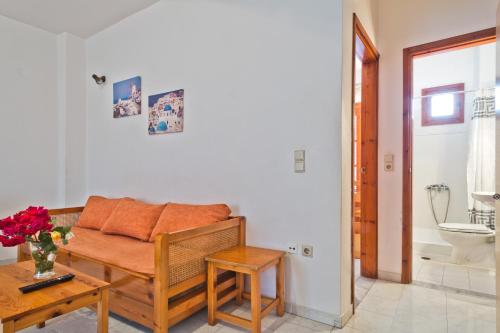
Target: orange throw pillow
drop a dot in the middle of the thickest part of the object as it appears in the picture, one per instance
(133, 218)
(177, 217)
(96, 212)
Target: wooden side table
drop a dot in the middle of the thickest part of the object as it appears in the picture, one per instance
(18, 310)
(251, 261)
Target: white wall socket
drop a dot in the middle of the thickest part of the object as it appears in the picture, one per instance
(307, 251)
(292, 248)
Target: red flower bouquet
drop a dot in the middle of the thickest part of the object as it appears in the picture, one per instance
(35, 226)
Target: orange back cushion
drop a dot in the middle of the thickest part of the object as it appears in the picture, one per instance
(177, 217)
(96, 212)
(133, 218)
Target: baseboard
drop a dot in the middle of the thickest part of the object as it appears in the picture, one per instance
(389, 276)
(7, 261)
(317, 315)
(345, 317)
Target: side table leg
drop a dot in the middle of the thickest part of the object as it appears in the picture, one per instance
(103, 312)
(280, 287)
(212, 293)
(8, 327)
(240, 285)
(256, 302)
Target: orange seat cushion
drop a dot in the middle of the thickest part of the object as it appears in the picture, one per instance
(177, 217)
(96, 212)
(124, 252)
(133, 218)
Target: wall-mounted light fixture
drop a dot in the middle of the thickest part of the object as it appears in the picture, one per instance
(99, 79)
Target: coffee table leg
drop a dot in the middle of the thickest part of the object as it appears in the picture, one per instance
(8, 327)
(103, 312)
(256, 300)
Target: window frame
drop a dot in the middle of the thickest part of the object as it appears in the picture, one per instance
(458, 109)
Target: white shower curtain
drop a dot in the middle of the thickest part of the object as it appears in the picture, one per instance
(481, 160)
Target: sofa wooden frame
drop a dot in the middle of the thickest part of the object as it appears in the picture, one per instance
(149, 300)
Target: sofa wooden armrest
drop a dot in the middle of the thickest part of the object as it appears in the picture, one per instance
(177, 289)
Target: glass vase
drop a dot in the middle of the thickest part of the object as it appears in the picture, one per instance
(44, 261)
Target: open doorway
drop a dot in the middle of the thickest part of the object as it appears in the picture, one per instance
(447, 131)
(364, 158)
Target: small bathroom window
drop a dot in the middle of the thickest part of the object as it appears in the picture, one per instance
(443, 105)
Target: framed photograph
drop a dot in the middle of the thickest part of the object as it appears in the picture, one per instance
(166, 112)
(127, 98)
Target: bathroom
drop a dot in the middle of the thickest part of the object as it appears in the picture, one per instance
(454, 169)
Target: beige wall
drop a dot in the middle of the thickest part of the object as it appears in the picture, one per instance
(366, 10)
(404, 24)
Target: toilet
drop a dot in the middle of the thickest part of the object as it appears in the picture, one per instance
(471, 242)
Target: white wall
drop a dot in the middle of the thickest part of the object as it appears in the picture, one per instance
(261, 79)
(440, 152)
(72, 105)
(367, 12)
(404, 24)
(29, 165)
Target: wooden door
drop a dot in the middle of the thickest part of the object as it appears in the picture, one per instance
(367, 198)
(356, 182)
(369, 169)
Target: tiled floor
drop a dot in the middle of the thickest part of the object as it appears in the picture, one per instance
(476, 280)
(362, 284)
(387, 308)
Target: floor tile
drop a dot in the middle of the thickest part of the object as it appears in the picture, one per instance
(379, 305)
(418, 324)
(296, 320)
(385, 289)
(459, 310)
(483, 284)
(471, 299)
(365, 282)
(471, 326)
(387, 308)
(370, 322)
(292, 328)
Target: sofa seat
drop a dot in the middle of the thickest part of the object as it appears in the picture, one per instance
(134, 255)
(121, 251)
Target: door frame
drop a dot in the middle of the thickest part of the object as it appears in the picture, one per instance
(453, 43)
(363, 46)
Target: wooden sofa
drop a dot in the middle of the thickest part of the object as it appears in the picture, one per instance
(174, 287)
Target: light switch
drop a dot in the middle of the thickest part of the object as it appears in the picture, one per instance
(300, 161)
(389, 162)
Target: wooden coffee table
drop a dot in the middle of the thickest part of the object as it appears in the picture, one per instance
(18, 311)
(252, 261)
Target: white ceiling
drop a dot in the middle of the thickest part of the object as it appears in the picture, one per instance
(79, 17)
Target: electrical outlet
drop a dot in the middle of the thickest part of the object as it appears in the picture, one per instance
(292, 248)
(307, 251)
